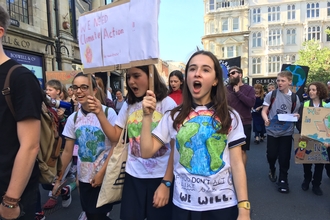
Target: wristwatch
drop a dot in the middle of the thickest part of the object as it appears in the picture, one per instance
(244, 204)
(167, 183)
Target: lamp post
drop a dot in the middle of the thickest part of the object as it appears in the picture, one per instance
(57, 47)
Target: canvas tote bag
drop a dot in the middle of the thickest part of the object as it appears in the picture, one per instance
(113, 181)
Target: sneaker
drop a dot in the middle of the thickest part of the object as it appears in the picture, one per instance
(82, 216)
(283, 187)
(66, 197)
(317, 190)
(305, 185)
(40, 216)
(272, 176)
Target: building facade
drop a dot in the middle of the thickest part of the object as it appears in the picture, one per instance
(43, 35)
(275, 31)
(227, 29)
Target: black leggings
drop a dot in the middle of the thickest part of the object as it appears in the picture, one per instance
(96, 216)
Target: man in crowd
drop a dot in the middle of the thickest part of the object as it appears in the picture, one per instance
(241, 97)
(19, 137)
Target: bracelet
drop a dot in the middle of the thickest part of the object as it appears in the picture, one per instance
(9, 199)
(9, 206)
(242, 201)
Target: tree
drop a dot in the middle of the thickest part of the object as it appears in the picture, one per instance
(317, 58)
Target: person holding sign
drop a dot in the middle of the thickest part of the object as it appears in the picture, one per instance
(147, 184)
(210, 179)
(279, 133)
(317, 92)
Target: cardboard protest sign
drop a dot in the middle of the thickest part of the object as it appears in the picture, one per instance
(309, 151)
(315, 136)
(119, 35)
(65, 77)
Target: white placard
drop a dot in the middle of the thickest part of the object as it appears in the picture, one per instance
(115, 35)
(90, 41)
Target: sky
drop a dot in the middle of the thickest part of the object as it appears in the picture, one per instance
(181, 27)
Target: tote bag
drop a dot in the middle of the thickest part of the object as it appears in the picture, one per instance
(113, 181)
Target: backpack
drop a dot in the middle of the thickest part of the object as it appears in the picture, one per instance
(50, 141)
(293, 99)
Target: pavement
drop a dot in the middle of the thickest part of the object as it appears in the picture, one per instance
(266, 202)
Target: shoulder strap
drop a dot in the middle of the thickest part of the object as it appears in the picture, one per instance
(106, 112)
(6, 89)
(272, 99)
(294, 101)
(75, 117)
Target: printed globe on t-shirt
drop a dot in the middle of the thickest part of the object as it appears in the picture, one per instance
(200, 147)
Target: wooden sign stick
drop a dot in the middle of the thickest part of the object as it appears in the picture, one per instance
(90, 84)
(151, 77)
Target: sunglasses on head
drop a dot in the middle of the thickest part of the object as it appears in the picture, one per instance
(233, 73)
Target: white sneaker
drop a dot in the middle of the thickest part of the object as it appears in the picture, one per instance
(82, 216)
(66, 198)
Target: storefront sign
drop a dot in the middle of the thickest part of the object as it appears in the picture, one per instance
(12, 41)
(264, 81)
(32, 62)
(14, 22)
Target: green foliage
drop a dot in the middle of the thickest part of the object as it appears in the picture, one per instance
(317, 58)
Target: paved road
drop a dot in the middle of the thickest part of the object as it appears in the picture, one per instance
(267, 203)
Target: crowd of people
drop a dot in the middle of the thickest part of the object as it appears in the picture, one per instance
(200, 129)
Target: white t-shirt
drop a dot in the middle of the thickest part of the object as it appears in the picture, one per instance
(94, 145)
(202, 170)
(137, 166)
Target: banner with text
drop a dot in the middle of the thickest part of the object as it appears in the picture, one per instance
(119, 33)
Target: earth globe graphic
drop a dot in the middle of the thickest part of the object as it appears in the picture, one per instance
(201, 148)
(298, 76)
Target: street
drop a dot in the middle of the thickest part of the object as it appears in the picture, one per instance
(266, 202)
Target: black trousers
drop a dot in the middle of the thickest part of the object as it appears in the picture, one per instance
(317, 176)
(279, 148)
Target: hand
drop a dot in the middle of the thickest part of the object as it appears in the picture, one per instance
(149, 103)
(267, 122)
(161, 196)
(97, 179)
(296, 115)
(243, 214)
(8, 213)
(94, 105)
(236, 88)
(56, 191)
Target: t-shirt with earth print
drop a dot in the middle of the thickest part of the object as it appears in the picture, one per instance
(202, 171)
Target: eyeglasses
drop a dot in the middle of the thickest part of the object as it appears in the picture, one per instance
(83, 88)
(233, 73)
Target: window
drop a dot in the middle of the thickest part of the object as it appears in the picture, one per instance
(211, 5)
(328, 9)
(18, 10)
(328, 35)
(256, 65)
(274, 13)
(256, 14)
(274, 37)
(212, 47)
(291, 12)
(212, 30)
(293, 59)
(230, 51)
(256, 39)
(314, 33)
(291, 36)
(224, 25)
(274, 64)
(313, 10)
(235, 24)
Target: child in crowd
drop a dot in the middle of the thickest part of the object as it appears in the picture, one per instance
(147, 182)
(94, 149)
(271, 86)
(258, 123)
(317, 92)
(210, 179)
(175, 82)
(279, 133)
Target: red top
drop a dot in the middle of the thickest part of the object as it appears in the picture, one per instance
(176, 96)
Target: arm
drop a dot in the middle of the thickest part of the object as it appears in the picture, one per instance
(162, 193)
(248, 99)
(264, 115)
(24, 162)
(65, 158)
(239, 179)
(112, 132)
(147, 149)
